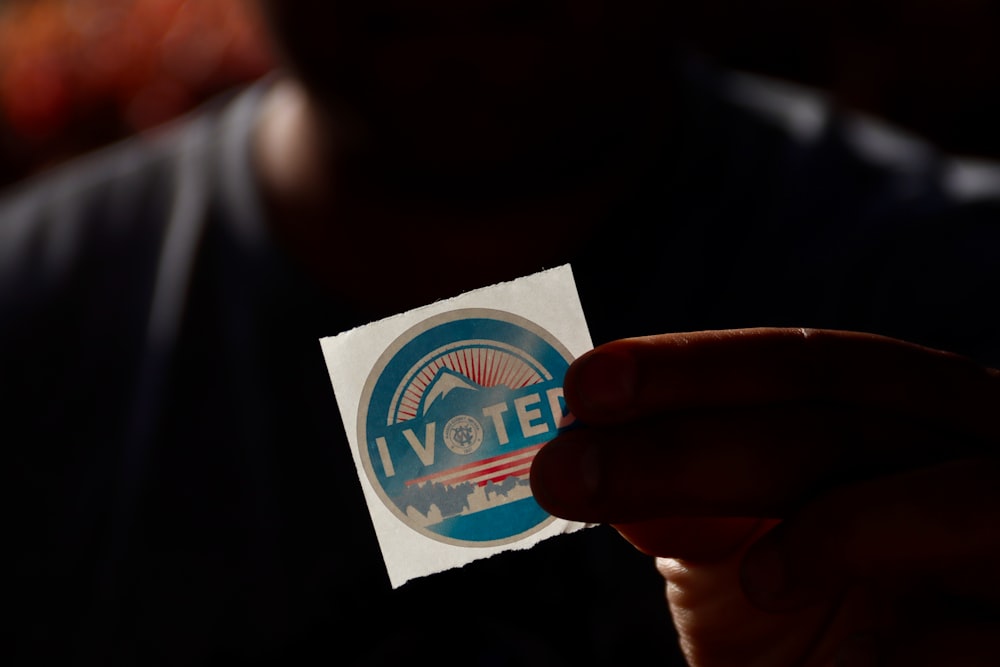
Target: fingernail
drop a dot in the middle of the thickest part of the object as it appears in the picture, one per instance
(606, 381)
(765, 577)
(566, 476)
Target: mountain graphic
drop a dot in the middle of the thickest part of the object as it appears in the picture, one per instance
(445, 382)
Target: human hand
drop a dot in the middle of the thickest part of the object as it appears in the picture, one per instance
(814, 496)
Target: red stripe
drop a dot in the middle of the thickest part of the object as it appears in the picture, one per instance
(452, 471)
(485, 471)
(516, 473)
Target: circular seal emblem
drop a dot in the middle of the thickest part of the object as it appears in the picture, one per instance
(463, 434)
(451, 417)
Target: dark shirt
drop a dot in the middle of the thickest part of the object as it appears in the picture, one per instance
(183, 492)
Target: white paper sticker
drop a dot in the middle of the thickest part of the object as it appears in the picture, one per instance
(444, 408)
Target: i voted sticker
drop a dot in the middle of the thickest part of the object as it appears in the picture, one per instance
(451, 417)
(444, 408)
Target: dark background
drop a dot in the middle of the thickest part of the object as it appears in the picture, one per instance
(77, 74)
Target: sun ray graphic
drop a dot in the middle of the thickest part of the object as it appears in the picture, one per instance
(484, 363)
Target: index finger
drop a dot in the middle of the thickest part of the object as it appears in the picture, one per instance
(634, 378)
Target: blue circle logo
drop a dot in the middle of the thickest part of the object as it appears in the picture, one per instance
(451, 417)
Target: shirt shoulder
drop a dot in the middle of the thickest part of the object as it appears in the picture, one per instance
(105, 223)
(833, 217)
(808, 133)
